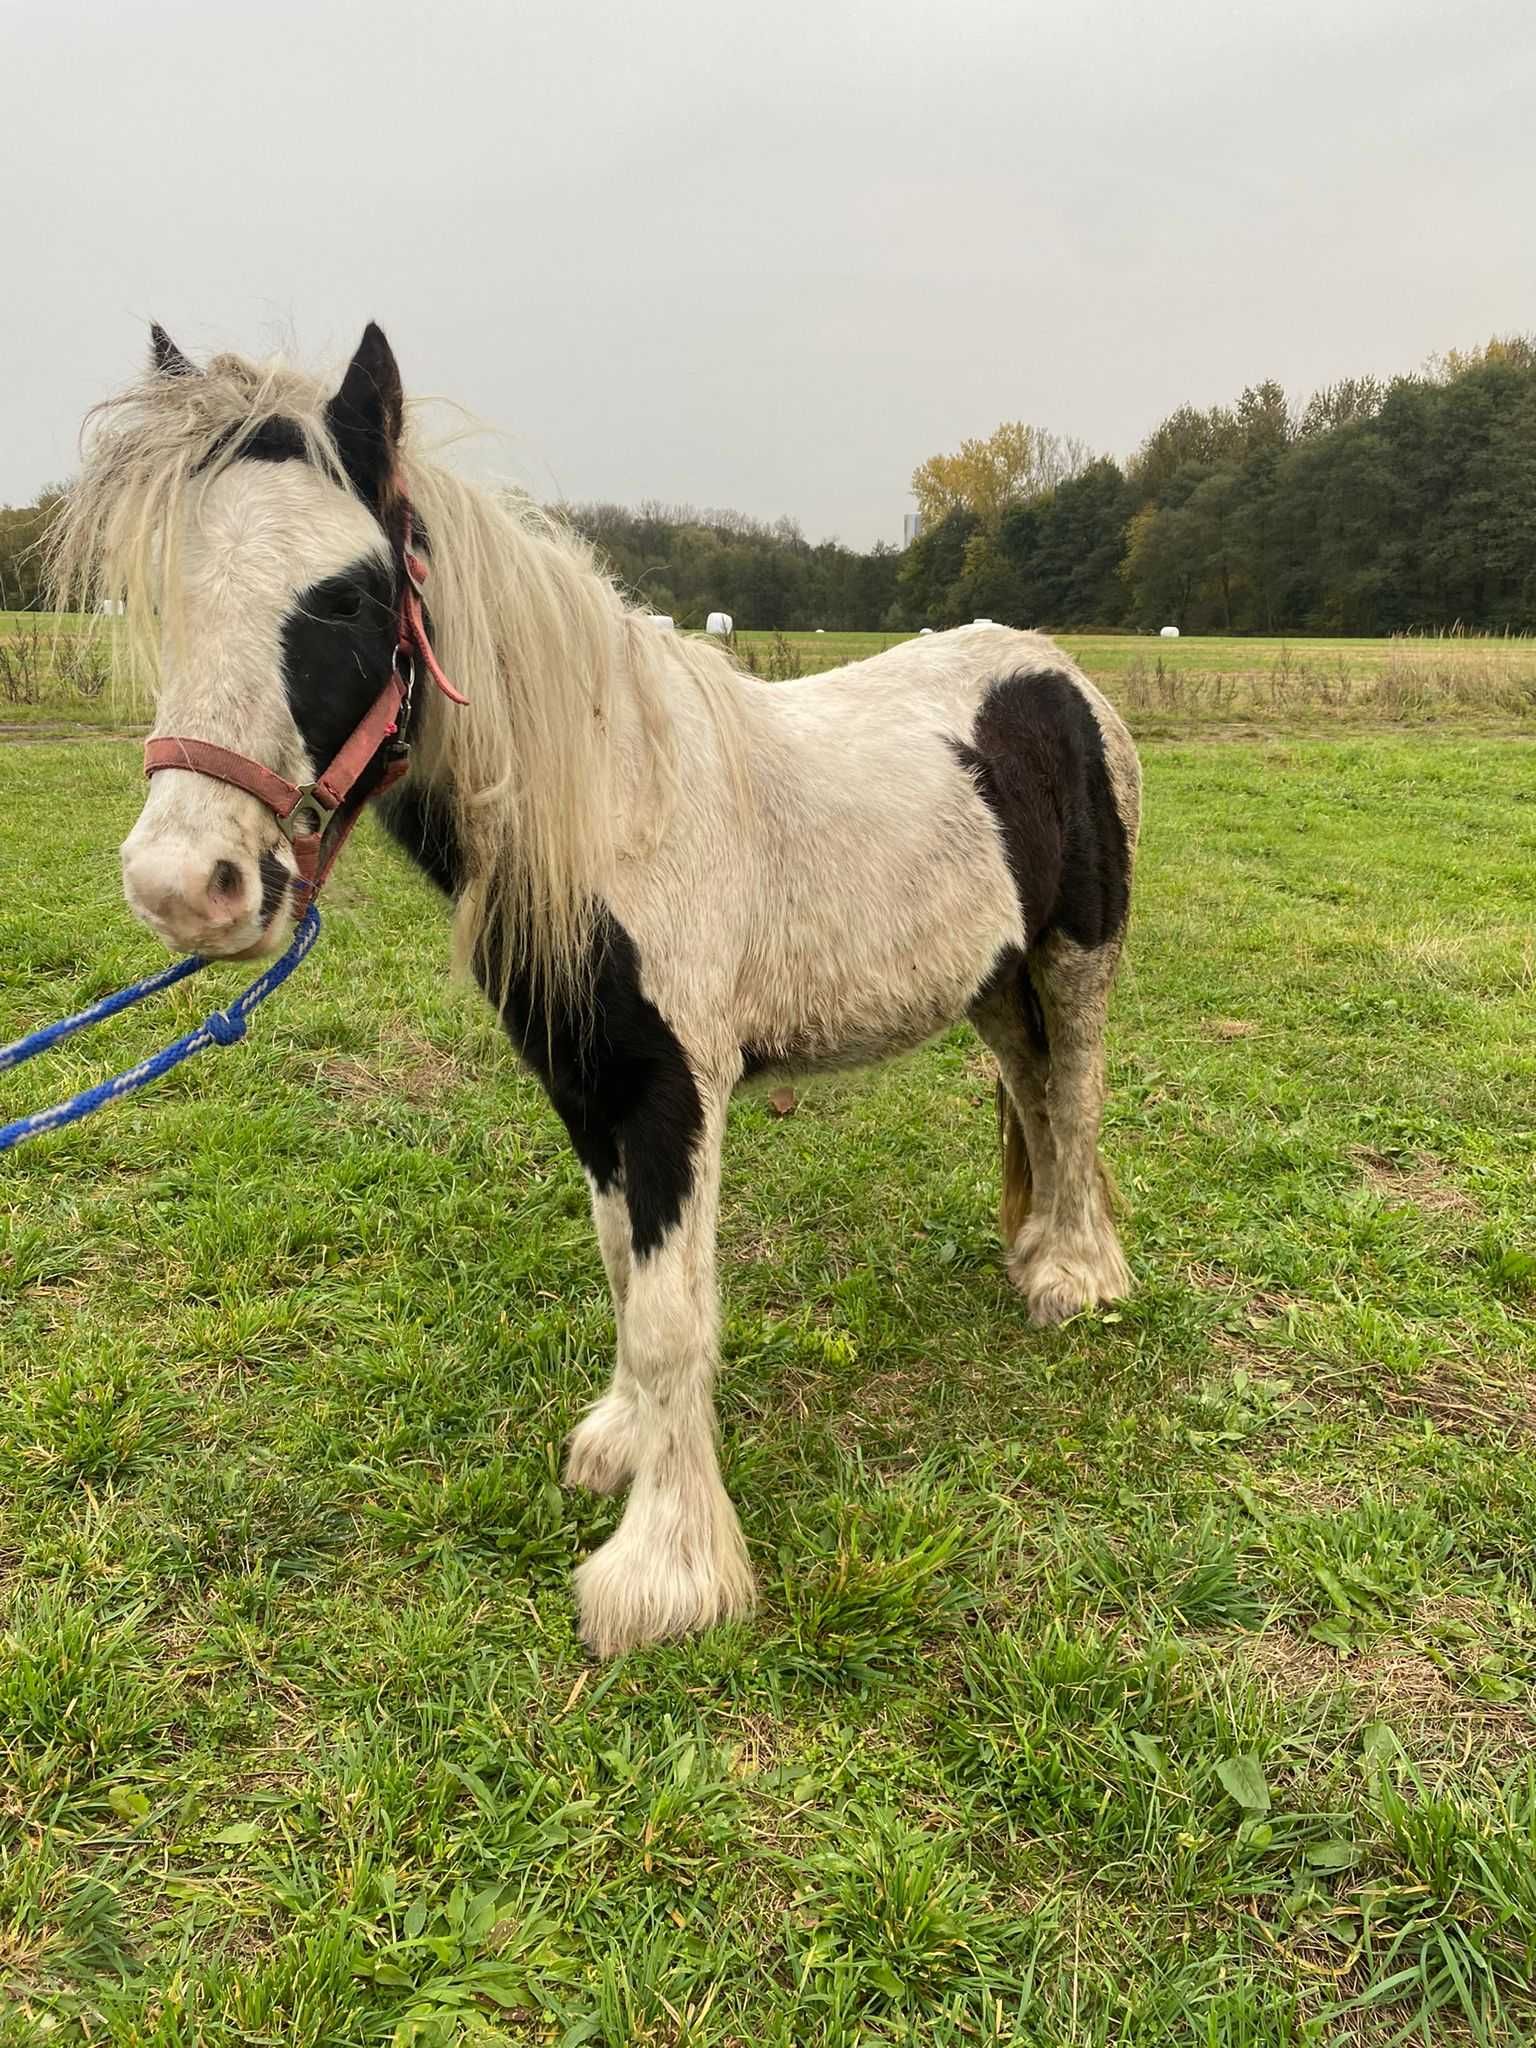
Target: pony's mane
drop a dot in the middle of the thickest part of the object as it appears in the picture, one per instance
(524, 620)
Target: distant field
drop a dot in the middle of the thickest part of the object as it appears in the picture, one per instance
(53, 674)
(1160, 683)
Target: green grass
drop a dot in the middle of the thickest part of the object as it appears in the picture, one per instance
(1167, 1678)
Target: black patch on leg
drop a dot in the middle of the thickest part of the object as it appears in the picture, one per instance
(1011, 979)
(1032, 1011)
(1037, 758)
(618, 1078)
(611, 1065)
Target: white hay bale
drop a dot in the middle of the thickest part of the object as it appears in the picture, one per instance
(923, 629)
(1169, 633)
(983, 622)
(720, 624)
(664, 620)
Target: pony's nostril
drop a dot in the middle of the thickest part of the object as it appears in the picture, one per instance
(226, 880)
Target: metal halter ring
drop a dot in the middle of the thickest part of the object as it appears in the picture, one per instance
(310, 817)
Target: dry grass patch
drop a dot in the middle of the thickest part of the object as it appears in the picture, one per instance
(1393, 1681)
(408, 1066)
(1423, 1182)
(1260, 1306)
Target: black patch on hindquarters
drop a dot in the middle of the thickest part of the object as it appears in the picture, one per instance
(1037, 758)
(611, 1065)
(338, 642)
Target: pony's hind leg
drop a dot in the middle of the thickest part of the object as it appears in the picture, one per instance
(1076, 1259)
(677, 1561)
(601, 1452)
(1009, 1020)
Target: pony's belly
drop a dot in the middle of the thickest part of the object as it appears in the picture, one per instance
(831, 1019)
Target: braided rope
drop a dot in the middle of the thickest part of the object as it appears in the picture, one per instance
(222, 1027)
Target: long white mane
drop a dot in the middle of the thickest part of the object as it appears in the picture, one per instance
(556, 664)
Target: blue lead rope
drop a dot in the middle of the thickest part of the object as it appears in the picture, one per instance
(223, 1027)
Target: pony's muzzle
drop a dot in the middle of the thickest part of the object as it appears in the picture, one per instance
(225, 907)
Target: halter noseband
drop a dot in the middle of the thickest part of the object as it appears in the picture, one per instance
(316, 818)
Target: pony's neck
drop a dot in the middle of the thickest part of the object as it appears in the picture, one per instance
(567, 718)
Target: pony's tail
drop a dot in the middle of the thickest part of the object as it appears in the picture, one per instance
(1018, 1181)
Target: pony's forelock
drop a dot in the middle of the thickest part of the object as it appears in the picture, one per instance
(147, 452)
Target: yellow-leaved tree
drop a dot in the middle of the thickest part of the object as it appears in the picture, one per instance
(1016, 462)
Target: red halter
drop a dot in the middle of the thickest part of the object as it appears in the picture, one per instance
(316, 818)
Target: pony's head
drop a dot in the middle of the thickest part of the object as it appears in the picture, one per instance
(252, 521)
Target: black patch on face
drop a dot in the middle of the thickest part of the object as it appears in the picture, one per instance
(1037, 758)
(274, 440)
(274, 885)
(337, 645)
(611, 1065)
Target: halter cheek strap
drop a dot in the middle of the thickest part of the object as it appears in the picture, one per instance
(316, 818)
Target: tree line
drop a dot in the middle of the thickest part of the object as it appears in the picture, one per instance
(22, 587)
(1374, 507)
(689, 563)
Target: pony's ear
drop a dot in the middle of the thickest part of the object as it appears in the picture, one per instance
(166, 359)
(366, 415)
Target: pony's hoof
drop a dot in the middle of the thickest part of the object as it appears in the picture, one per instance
(1026, 1249)
(599, 1453)
(629, 1595)
(1060, 1287)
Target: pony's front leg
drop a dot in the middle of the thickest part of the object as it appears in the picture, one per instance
(677, 1561)
(601, 1452)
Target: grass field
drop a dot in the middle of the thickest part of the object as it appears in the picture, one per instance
(1164, 1679)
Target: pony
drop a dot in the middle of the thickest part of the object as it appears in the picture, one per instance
(668, 877)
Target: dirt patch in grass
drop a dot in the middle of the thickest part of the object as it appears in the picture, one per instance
(1228, 1028)
(1394, 1682)
(1423, 1182)
(408, 1067)
(1259, 1306)
(1462, 1405)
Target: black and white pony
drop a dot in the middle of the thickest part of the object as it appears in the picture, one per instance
(667, 876)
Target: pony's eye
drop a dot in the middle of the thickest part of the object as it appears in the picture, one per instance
(345, 603)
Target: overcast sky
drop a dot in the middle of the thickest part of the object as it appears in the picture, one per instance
(765, 256)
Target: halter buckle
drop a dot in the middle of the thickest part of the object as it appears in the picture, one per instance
(310, 807)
